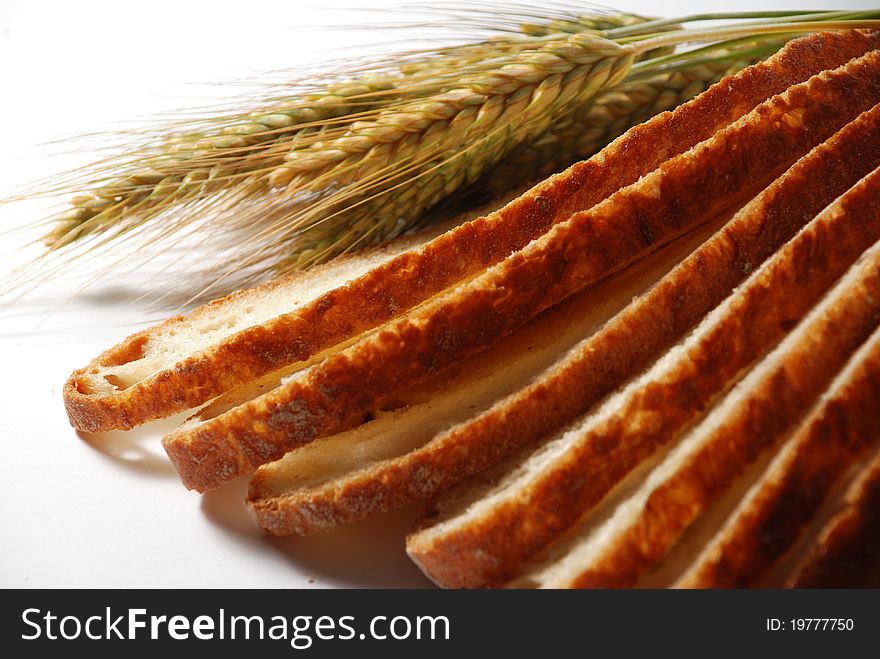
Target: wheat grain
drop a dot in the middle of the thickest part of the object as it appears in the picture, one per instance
(583, 132)
(444, 142)
(600, 122)
(196, 164)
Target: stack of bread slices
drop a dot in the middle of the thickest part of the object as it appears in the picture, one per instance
(660, 367)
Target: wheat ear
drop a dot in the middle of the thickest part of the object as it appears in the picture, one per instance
(598, 123)
(196, 164)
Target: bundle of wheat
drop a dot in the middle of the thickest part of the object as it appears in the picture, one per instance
(364, 157)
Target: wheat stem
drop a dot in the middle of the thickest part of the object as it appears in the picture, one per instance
(752, 31)
(764, 16)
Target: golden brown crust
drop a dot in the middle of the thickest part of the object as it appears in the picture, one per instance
(454, 396)
(239, 358)
(406, 280)
(756, 423)
(599, 365)
(678, 195)
(488, 548)
(849, 545)
(837, 434)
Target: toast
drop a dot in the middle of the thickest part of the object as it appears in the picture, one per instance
(839, 433)
(351, 474)
(400, 456)
(190, 359)
(847, 547)
(745, 427)
(482, 532)
(682, 193)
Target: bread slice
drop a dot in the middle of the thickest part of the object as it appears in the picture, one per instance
(351, 474)
(401, 456)
(841, 431)
(682, 193)
(849, 545)
(480, 533)
(750, 422)
(190, 359)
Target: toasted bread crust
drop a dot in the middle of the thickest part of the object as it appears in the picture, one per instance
(757, 422)
(849, 545)
(487, 549)
(397, 285)
(281, 499)
(204, 375)
(600, 364)
(838, 433)
(681, 193)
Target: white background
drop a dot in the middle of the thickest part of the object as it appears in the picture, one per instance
(107, 510)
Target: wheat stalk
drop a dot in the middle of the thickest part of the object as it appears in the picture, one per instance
(364, 159)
